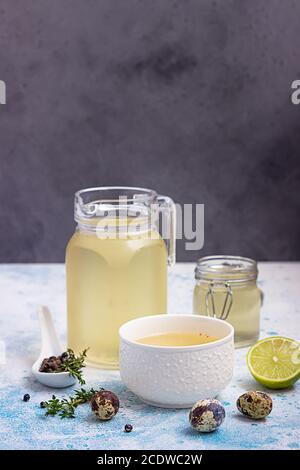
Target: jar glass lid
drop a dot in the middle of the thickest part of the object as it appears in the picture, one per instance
(220, 267)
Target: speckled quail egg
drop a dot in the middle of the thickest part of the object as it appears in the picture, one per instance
(255, 405)
(105, 404)
(207, 415)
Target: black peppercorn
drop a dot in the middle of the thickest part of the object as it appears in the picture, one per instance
(42, 404)
(128, 428)
(52, 363)
(26, 397)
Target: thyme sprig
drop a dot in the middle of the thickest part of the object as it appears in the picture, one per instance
(74, 365)
(65, 407)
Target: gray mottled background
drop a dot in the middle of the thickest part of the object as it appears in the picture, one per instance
(191, 98)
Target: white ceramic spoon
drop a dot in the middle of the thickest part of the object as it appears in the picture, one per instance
(50, 347)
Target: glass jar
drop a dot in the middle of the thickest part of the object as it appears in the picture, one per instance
(226, 288)
(116, 265)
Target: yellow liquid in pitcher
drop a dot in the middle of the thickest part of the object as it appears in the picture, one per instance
(111, 281)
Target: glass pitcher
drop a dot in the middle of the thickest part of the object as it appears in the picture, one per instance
(116, 265)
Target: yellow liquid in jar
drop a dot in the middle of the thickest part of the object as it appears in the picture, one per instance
(244, 315)
(111, 281)
(177, 339)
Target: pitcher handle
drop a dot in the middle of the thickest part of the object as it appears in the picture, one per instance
(262, 297)
(167, 208)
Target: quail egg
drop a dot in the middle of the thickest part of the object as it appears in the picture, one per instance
(255, 405)
(207, 415)
(105, 404)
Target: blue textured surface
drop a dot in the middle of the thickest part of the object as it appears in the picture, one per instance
(24, 426)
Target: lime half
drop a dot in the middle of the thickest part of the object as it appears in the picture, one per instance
(275, 361)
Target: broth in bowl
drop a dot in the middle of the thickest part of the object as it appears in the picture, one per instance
(176, 338)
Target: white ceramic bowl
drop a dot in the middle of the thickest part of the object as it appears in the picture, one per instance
(176, 377)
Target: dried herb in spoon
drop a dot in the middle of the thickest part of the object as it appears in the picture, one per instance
(66, 362)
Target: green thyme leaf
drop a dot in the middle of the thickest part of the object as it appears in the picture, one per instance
(74, 365)
(65, 407)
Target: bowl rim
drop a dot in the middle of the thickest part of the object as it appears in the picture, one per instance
(195, 347)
